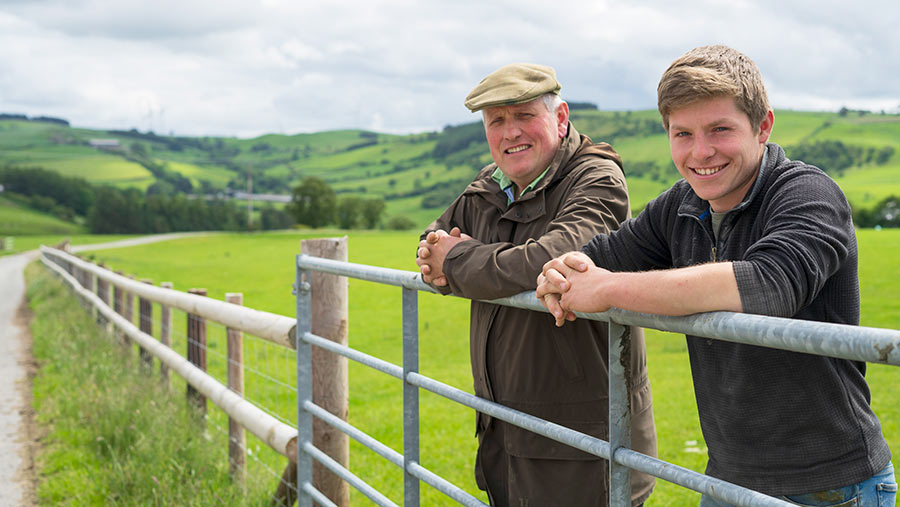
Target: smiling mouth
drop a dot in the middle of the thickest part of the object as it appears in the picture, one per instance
(516, 149)
(708, 171)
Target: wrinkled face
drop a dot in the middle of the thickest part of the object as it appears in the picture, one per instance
(524, 138)
(716, 149)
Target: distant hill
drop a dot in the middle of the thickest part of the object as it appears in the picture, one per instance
(17, 219)
(417, 175)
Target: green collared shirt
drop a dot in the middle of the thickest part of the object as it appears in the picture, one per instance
(506, 184)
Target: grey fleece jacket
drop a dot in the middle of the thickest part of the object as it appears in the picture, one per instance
(775, 421)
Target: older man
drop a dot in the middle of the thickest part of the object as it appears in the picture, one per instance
(548, 191)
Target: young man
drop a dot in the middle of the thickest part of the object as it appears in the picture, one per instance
(746, 230)
(548, 191)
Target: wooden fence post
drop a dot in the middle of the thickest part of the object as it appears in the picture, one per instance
(165, 333)
(196, 350)
(128, 314)
(119, 304)
(330, 387)
(237, 436)
(145, 321)
(88, 284)
(103, 294)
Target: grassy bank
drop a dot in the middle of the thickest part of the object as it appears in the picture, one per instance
(110, 436)
(261, 266)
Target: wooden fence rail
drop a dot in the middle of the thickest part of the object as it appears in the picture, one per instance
(242, 414)
(330, 320)
(277, 329)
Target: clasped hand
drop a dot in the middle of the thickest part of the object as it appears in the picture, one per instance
(568, 284)
(433, 250)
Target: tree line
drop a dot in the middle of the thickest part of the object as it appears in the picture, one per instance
(834, 157)
(107, 210)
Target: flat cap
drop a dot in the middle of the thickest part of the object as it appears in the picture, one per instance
(515, 83)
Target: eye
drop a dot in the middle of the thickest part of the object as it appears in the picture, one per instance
(681, 133)
(721, 129)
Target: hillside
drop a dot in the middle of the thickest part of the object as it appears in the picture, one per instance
(417, 175)
(16, 219)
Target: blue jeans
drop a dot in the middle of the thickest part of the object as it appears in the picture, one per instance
(880, 490)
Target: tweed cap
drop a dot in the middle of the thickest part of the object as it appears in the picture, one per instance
(515, 83)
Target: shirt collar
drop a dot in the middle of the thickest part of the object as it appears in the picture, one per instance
(506, 184)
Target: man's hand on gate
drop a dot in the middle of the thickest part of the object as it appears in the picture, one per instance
(432, 252)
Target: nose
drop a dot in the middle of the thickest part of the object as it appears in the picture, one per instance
(703, 148)
(512, 130)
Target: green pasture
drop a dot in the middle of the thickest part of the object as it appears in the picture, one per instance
(16, 220)
(261, 267)
(399, 164)
(83, 162)
(218, 176)
(107, 435)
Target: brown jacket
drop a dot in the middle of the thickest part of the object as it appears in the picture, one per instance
(519, 358)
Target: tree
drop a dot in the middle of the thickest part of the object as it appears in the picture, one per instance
(372, 211)
(271, 218)
(348, 211)
(400, 223)
(313, 202)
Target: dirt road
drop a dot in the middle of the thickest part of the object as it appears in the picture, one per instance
(16, 467)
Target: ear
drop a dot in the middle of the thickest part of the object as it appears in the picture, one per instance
(765, 128)
(562, 119)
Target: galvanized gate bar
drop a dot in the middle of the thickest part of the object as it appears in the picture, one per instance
(444, 486)
(537, 425)
(619, 345)
(696, 481)
(737, 495)
(304, 386)
(355, 433)
(347, 475)
(856, 343)
(387, 276)
(410, 396)
(318, 496)
(360, 357)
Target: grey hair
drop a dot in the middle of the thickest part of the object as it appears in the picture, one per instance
(551, 101)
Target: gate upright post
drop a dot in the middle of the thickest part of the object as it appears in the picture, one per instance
(619, 412)
(304, 387)
(410, 395)
(329, 319)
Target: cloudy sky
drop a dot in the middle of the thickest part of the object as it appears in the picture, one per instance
(244, 68)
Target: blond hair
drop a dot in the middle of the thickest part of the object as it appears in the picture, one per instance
(709, 72)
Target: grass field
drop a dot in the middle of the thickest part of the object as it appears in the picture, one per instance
(261, 266)
(17, 220)
(109, 437)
